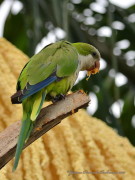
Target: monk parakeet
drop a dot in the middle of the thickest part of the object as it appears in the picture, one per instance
(48, 75)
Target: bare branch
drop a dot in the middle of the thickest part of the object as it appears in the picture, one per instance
(49, 117)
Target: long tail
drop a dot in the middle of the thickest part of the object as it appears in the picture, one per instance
(26, 128)
(29, 117)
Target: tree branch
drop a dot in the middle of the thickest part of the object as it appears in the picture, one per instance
(49, 117)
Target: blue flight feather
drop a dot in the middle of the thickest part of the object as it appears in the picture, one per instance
(32, 89)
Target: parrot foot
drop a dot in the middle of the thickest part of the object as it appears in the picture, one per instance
(58, 98)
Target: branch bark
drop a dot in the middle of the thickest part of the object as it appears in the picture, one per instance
(49, 117)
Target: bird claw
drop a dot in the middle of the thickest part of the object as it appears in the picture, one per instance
(58, 98)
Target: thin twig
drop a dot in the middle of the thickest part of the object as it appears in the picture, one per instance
(49, 117)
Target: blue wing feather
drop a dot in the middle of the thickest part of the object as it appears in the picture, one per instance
(32, 89)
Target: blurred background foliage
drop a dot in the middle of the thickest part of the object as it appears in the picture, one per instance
(30, 25)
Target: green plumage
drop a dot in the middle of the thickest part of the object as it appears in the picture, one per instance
(60, 58)
(48, 74)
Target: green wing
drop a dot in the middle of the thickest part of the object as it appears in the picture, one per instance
(60, 58)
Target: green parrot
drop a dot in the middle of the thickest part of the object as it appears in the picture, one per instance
(49, 75)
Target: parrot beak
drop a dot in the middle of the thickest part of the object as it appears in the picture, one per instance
(94, 69)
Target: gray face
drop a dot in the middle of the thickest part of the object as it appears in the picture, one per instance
(91, 60)
(93, 64)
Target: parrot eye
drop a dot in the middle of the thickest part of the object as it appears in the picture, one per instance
(94, 54)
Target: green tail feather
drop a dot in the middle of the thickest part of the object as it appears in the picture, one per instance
(26, 129)
(29, 107)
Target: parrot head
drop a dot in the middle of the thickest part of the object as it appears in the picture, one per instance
(89, 58)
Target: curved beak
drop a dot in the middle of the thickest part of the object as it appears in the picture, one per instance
(94, 69)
